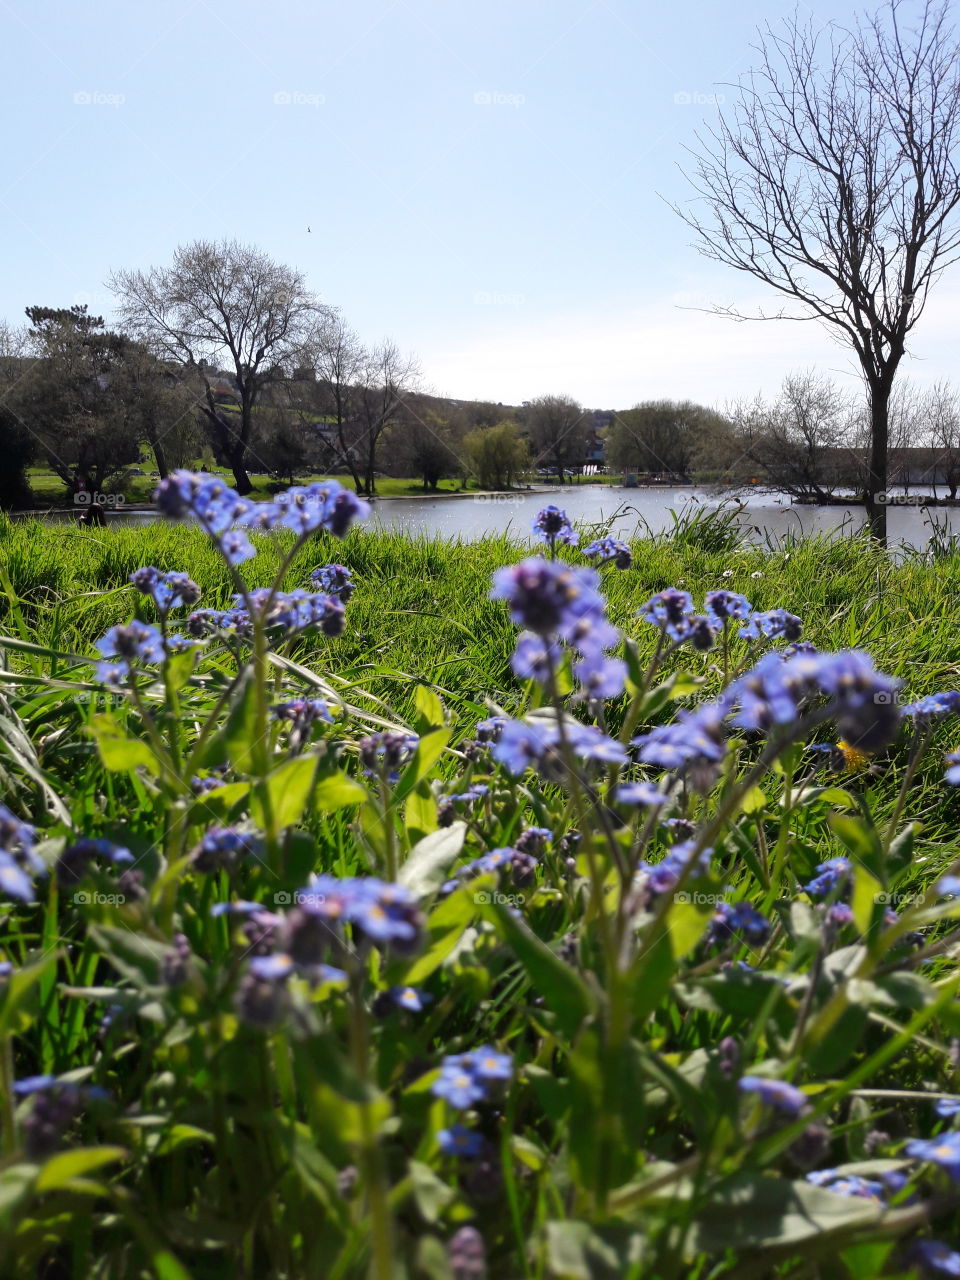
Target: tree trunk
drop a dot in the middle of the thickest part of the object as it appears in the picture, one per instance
(154, 440)
(238, 451)
(875, 495)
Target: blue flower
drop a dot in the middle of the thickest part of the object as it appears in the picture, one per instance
(934, 706)
(552, 525)
(610, 549)
(410, 998)
(168, 590)
(72, 864)
(833, 872)
(944, 1151)
(134, 642)
(775, 1093)
(668, 610)
(387, 753)
(488, 1064)
(543, 595)
(937, 1257)
(643, 793)
(742, 918)
(952, 776)
(334, 580)
(777, 622)
(695, 738)
(535, 658)
(458, 1140)
(947, 1107)
(949, 887)
(17, 856)
(458, 1086)
(727, 605)
(600, 676)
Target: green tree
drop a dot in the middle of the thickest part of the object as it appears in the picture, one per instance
(498, 455)
(75, 397)
(660, 436)
(558, 429)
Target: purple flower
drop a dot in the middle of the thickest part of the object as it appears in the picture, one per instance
(535, 658)
(525, 744)
(937, 1258)
(944, 1151)
(668, 610)
(410, 998)
(490, 730)
(136, 642)
(724, 606)
(833, 872)
(17, 856)
(222, 847)
(775, 1093)
(458, 1140)
(739, 917)
(552, 525)
(947, 1107)
(387, 753)
(72, 864)
(606, 549)
(643, 793)
(777, 622)
(544, 595)
(952, 776)
(334, 580)
(600, 676)
(934, 707)
(458, 1086)
(167, 590)
(694, 739)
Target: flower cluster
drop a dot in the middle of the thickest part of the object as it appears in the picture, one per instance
(468, 1078)
(284, 614)
(73, 863)
(386, 753)
(167, 590)
(222, 847)
(551, 525)
(525, 744)
(218, 509)
(607, 549)
(334, 580)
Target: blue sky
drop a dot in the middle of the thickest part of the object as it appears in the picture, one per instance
(485, 183)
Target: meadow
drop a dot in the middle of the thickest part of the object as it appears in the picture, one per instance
(364, 925)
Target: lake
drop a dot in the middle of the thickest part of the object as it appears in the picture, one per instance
(631, 512)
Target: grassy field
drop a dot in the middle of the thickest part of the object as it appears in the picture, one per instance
(570, 1072)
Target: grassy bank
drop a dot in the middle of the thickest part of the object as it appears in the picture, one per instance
(520, 1015)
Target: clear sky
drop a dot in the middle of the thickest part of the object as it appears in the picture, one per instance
(485, 182)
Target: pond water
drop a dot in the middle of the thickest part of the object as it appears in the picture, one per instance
(630, 512)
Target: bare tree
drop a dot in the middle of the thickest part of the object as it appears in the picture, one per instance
(386, 378)
(801, 441)
(941, 417)
(557, 427)
(834, 181)
(221, 304)
(336, 355)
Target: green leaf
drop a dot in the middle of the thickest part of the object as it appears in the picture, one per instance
(62, 1168)
(234, 742)
(581, 1251)
(288, 789)
(563, 990)
(755, 1211)
(119, 753)
(860, 839)
(337, 791)
(430, 1192)
(687, 921)
(429, 708)
(867, 897)
(427, 866)
(425, 757)
(19, 987)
